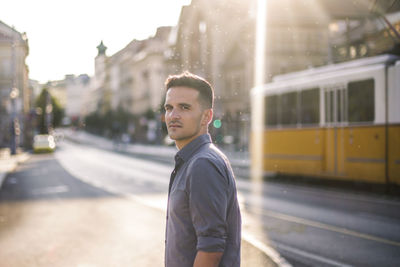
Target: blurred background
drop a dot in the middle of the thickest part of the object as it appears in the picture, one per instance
(305, 90)
(215, 39)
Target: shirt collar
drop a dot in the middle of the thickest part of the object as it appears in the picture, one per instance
(187, 151)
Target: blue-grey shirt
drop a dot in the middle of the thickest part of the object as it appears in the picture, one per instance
(203, 211)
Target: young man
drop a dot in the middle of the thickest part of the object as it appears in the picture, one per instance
(203, 217)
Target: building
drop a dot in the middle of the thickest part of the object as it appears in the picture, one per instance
(131, 82)
(15, 96)
(77, 88)
(216, 39)
(375, 33)
(58, 90)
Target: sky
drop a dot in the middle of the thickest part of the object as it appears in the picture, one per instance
(63, 34)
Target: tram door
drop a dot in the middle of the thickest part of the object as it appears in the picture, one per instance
(335, 116)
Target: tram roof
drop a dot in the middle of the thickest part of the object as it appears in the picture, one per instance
(363, 62)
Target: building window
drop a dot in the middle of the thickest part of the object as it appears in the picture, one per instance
(309, 103)
(288, 108)
(238, 85)
(271, 110)
(361, 105)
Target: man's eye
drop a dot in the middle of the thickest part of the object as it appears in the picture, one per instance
(185, 107)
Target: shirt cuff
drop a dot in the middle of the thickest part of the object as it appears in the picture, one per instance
(210, 244)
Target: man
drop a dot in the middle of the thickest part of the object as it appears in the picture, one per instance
(203, 216)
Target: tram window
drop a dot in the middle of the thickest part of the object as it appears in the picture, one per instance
(288, 108)
(361, 106)
(309, 103)
(271, 110)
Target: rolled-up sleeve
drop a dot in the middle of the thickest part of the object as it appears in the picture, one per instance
(208, 199)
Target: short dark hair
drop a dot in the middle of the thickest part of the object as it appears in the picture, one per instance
(187, 79)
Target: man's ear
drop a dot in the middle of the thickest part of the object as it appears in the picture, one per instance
(207, 116)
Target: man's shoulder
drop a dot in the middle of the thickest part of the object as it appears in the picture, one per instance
(209, 164)
(210, 151)
(209, 155)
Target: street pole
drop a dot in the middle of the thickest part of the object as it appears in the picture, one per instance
(14, 121)
(14, 127)
(49, 113)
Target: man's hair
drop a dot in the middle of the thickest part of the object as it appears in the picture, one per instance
(187, 79)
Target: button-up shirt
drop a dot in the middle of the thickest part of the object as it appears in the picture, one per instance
(203, 211)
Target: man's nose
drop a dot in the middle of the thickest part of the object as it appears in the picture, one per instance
(174, 114)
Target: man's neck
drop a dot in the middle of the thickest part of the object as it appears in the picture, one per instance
(180, 145)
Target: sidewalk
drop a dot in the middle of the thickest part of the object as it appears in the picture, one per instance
(8, 162)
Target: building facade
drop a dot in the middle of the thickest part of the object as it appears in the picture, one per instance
(130, 84)
(15, 95)
(77, 88)
(216, 39)
(58, 90)
(367, 36)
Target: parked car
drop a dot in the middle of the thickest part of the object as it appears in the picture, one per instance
(43, 143)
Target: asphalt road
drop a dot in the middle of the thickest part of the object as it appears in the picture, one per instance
(50, 218)
(309, 226)
(77, 208)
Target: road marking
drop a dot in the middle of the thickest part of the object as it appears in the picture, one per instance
(50, 190)
(309, 255)
(324, 226)
(269, 251)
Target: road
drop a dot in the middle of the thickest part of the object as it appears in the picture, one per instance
(107, 191)
(86, 207)
(50, 218)
(308, 226)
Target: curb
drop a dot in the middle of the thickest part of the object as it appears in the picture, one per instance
(2, 176)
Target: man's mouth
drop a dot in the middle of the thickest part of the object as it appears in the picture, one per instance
(174, 125)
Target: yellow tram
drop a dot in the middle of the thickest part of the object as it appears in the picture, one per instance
(340, 121)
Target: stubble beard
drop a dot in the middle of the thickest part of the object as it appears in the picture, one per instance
(179, 137)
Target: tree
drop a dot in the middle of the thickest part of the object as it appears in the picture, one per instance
(49, 112)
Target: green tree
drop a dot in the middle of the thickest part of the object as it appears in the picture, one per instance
(49, 112)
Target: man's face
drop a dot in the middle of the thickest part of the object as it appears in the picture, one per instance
(184, 116)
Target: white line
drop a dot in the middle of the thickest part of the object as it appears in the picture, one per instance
(269, 251)
(305, 254)
(50, 190)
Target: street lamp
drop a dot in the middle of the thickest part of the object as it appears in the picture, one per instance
(14, 121)
(14, 93)
(49, 113)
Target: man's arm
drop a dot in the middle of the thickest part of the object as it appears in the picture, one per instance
(208, 204)
(207, 259)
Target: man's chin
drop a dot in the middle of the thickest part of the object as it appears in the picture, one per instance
(172, 136)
